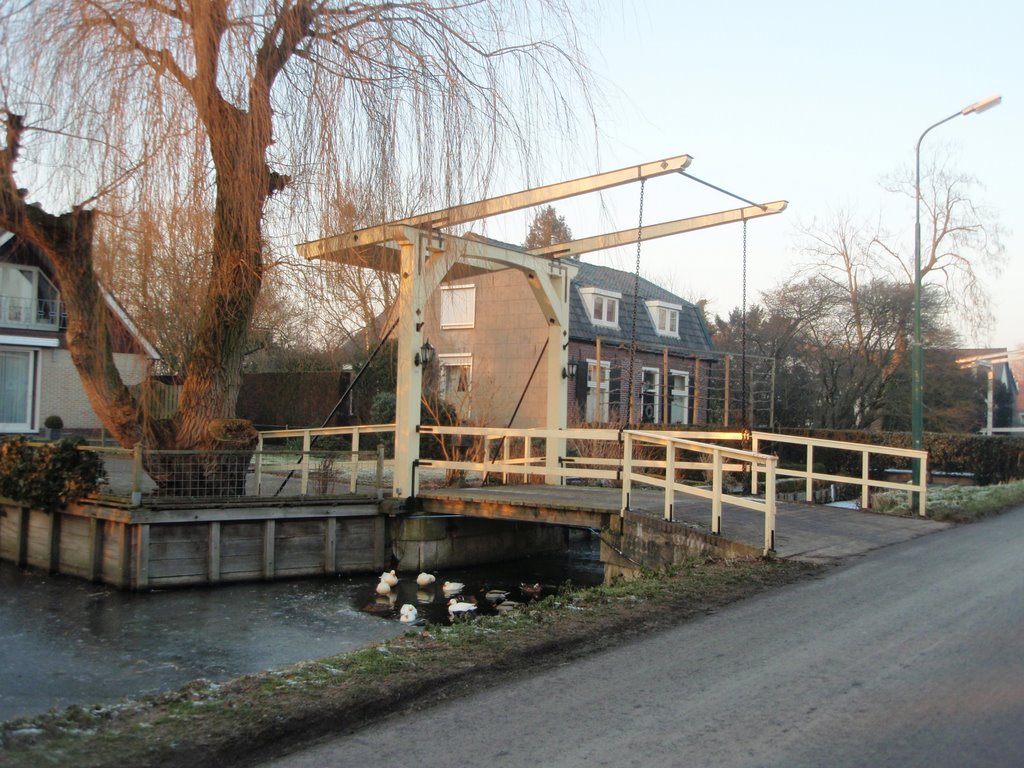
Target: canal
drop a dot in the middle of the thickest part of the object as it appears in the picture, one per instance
(66, 641)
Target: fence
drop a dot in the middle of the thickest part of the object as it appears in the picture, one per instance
(285, 463)
(864, 480)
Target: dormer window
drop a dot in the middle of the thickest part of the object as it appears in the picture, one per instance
(602, 306)
(665, 317)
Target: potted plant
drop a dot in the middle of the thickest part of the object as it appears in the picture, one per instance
(54, 424)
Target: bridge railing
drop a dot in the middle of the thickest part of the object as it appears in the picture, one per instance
(664, 474)
(864, 479)
(634, 458)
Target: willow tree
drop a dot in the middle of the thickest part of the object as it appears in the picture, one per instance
(125, 118)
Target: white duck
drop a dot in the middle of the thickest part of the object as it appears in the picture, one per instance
(383, 588)
(425, 579)
(452, 588)
(454, 607)
(389, 578)
(408, 613)
(495, 595)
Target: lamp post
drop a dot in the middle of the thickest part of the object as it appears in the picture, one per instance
(916, 350)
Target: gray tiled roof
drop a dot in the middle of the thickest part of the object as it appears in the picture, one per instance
(693, 334)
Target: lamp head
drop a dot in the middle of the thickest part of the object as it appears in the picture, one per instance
(425, 355)
(980, 106)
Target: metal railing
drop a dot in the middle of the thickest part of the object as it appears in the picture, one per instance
(864, 479)
(523, 453)
(20, 312)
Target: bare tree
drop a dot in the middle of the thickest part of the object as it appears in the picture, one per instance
(236, 114)
(853, 298)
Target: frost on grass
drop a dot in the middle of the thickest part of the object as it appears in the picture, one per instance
(960, 503)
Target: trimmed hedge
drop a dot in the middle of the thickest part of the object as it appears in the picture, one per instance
(47, 476)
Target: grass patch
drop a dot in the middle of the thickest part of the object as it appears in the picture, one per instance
(956, 503)
(236, 722)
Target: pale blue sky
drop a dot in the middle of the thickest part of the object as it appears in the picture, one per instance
(811, 102)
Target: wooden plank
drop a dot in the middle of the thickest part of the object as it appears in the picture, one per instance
(331, 546)
(140, 541)
(213, 553)
(244, 513)
(269, 527)
(95, 549)
(115, 554)
(178, 550)
(241, 550)
(299, 546)
(10, 518)
(75, 547)
(53, 561)
(38, 538)
(380, 542)
(355, 544)
(23, 520)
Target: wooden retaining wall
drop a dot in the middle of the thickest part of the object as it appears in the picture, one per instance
(164, 546)
(145, 547)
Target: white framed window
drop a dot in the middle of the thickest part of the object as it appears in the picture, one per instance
(602, 306)
(16, 389)
(650, 396)
(679, 397)
(665, 317)
(458, 306)
(456, 378)
(597, 404)
(27, 297)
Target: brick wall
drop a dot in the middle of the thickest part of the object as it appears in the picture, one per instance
(61, 391)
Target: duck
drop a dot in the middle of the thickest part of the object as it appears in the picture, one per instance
(454, 607)
(383, 588)
(531, 589)
(495, 595)
(507, 605)
(389, 578)
(425, 579)
(452, 588)
(408, 613)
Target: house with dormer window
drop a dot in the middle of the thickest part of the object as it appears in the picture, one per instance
(490, 339)
(37, 376)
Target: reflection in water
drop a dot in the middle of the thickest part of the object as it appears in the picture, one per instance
(67, 641)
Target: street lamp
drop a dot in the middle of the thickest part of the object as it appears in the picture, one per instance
(916, 351)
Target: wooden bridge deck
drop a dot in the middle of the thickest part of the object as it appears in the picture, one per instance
(815, 533)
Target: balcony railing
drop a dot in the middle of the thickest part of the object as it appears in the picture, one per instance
(37, 314)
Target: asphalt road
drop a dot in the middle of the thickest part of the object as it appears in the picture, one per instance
(910, 656)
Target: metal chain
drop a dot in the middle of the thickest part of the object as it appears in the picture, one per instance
(743, 334)
(624, 418)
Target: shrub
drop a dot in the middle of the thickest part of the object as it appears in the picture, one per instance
(48, 476)
(54, 422)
